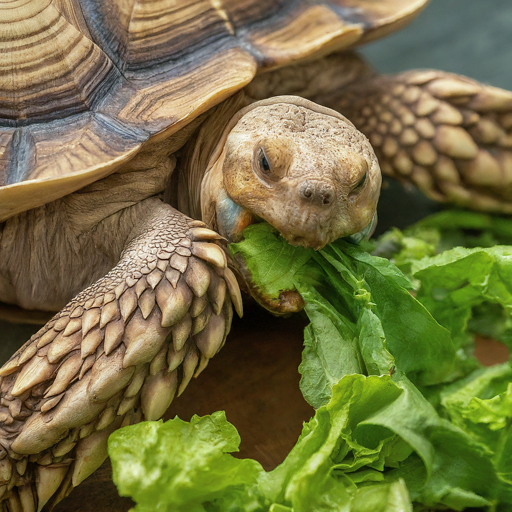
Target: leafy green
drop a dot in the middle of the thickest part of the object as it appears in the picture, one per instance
(364, 320)
(486, 314)
(404, 413)
(178, 465)
(185, 466)
(392, 497)
(466, 228)
(273, 263)
(480, 404)
(440, 232)
(456, 281)
(358, 293)
(328, 451)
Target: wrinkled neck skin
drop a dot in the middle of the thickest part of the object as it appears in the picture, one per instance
(202, 163)
(197, 154)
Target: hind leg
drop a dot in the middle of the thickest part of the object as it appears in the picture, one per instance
(449, 135)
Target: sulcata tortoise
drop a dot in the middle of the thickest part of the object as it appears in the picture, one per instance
(137, 137)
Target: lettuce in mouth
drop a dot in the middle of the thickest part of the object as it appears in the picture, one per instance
(405, 415)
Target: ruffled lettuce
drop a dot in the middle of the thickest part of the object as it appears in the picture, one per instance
(405, 414)
(178, 465)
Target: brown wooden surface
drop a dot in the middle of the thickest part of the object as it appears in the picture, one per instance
(254, 379)
(490, 352)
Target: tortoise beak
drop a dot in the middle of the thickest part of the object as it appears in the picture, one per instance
(364, 234)
(232, 219)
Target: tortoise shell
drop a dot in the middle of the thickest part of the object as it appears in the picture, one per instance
(83, 85)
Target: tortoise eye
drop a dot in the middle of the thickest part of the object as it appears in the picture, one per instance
(263, 162)
(360, 184)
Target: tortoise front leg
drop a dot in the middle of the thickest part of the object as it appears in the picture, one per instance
(116, 354)
(449, 135)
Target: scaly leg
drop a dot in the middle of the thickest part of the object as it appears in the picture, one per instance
(116, 354)
(447, 134)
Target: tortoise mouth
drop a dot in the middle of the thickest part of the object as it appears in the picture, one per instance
(232, 219)
(289, 301)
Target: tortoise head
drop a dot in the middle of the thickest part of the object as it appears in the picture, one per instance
(302, 168)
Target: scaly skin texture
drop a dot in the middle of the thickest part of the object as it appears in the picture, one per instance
(116, 354)
(447, 134)
(310, 191)
(320, 180)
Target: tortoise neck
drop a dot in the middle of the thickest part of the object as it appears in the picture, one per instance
(197, 153)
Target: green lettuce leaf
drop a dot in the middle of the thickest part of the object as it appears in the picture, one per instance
(178, 465)
(314, 475)
(455, 282)
(272, 262)
(364, 320)
(481, 405)
(184, 466)
(466, 228)
(358, 447)
(403, 414)
(392, 497)
(420, 346)
(440, 232)
(346, 281)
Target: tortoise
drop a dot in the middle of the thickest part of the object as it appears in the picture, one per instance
(138, 138)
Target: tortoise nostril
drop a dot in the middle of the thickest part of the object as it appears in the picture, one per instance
(317, 192)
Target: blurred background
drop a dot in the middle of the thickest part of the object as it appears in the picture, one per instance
(469, 37)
